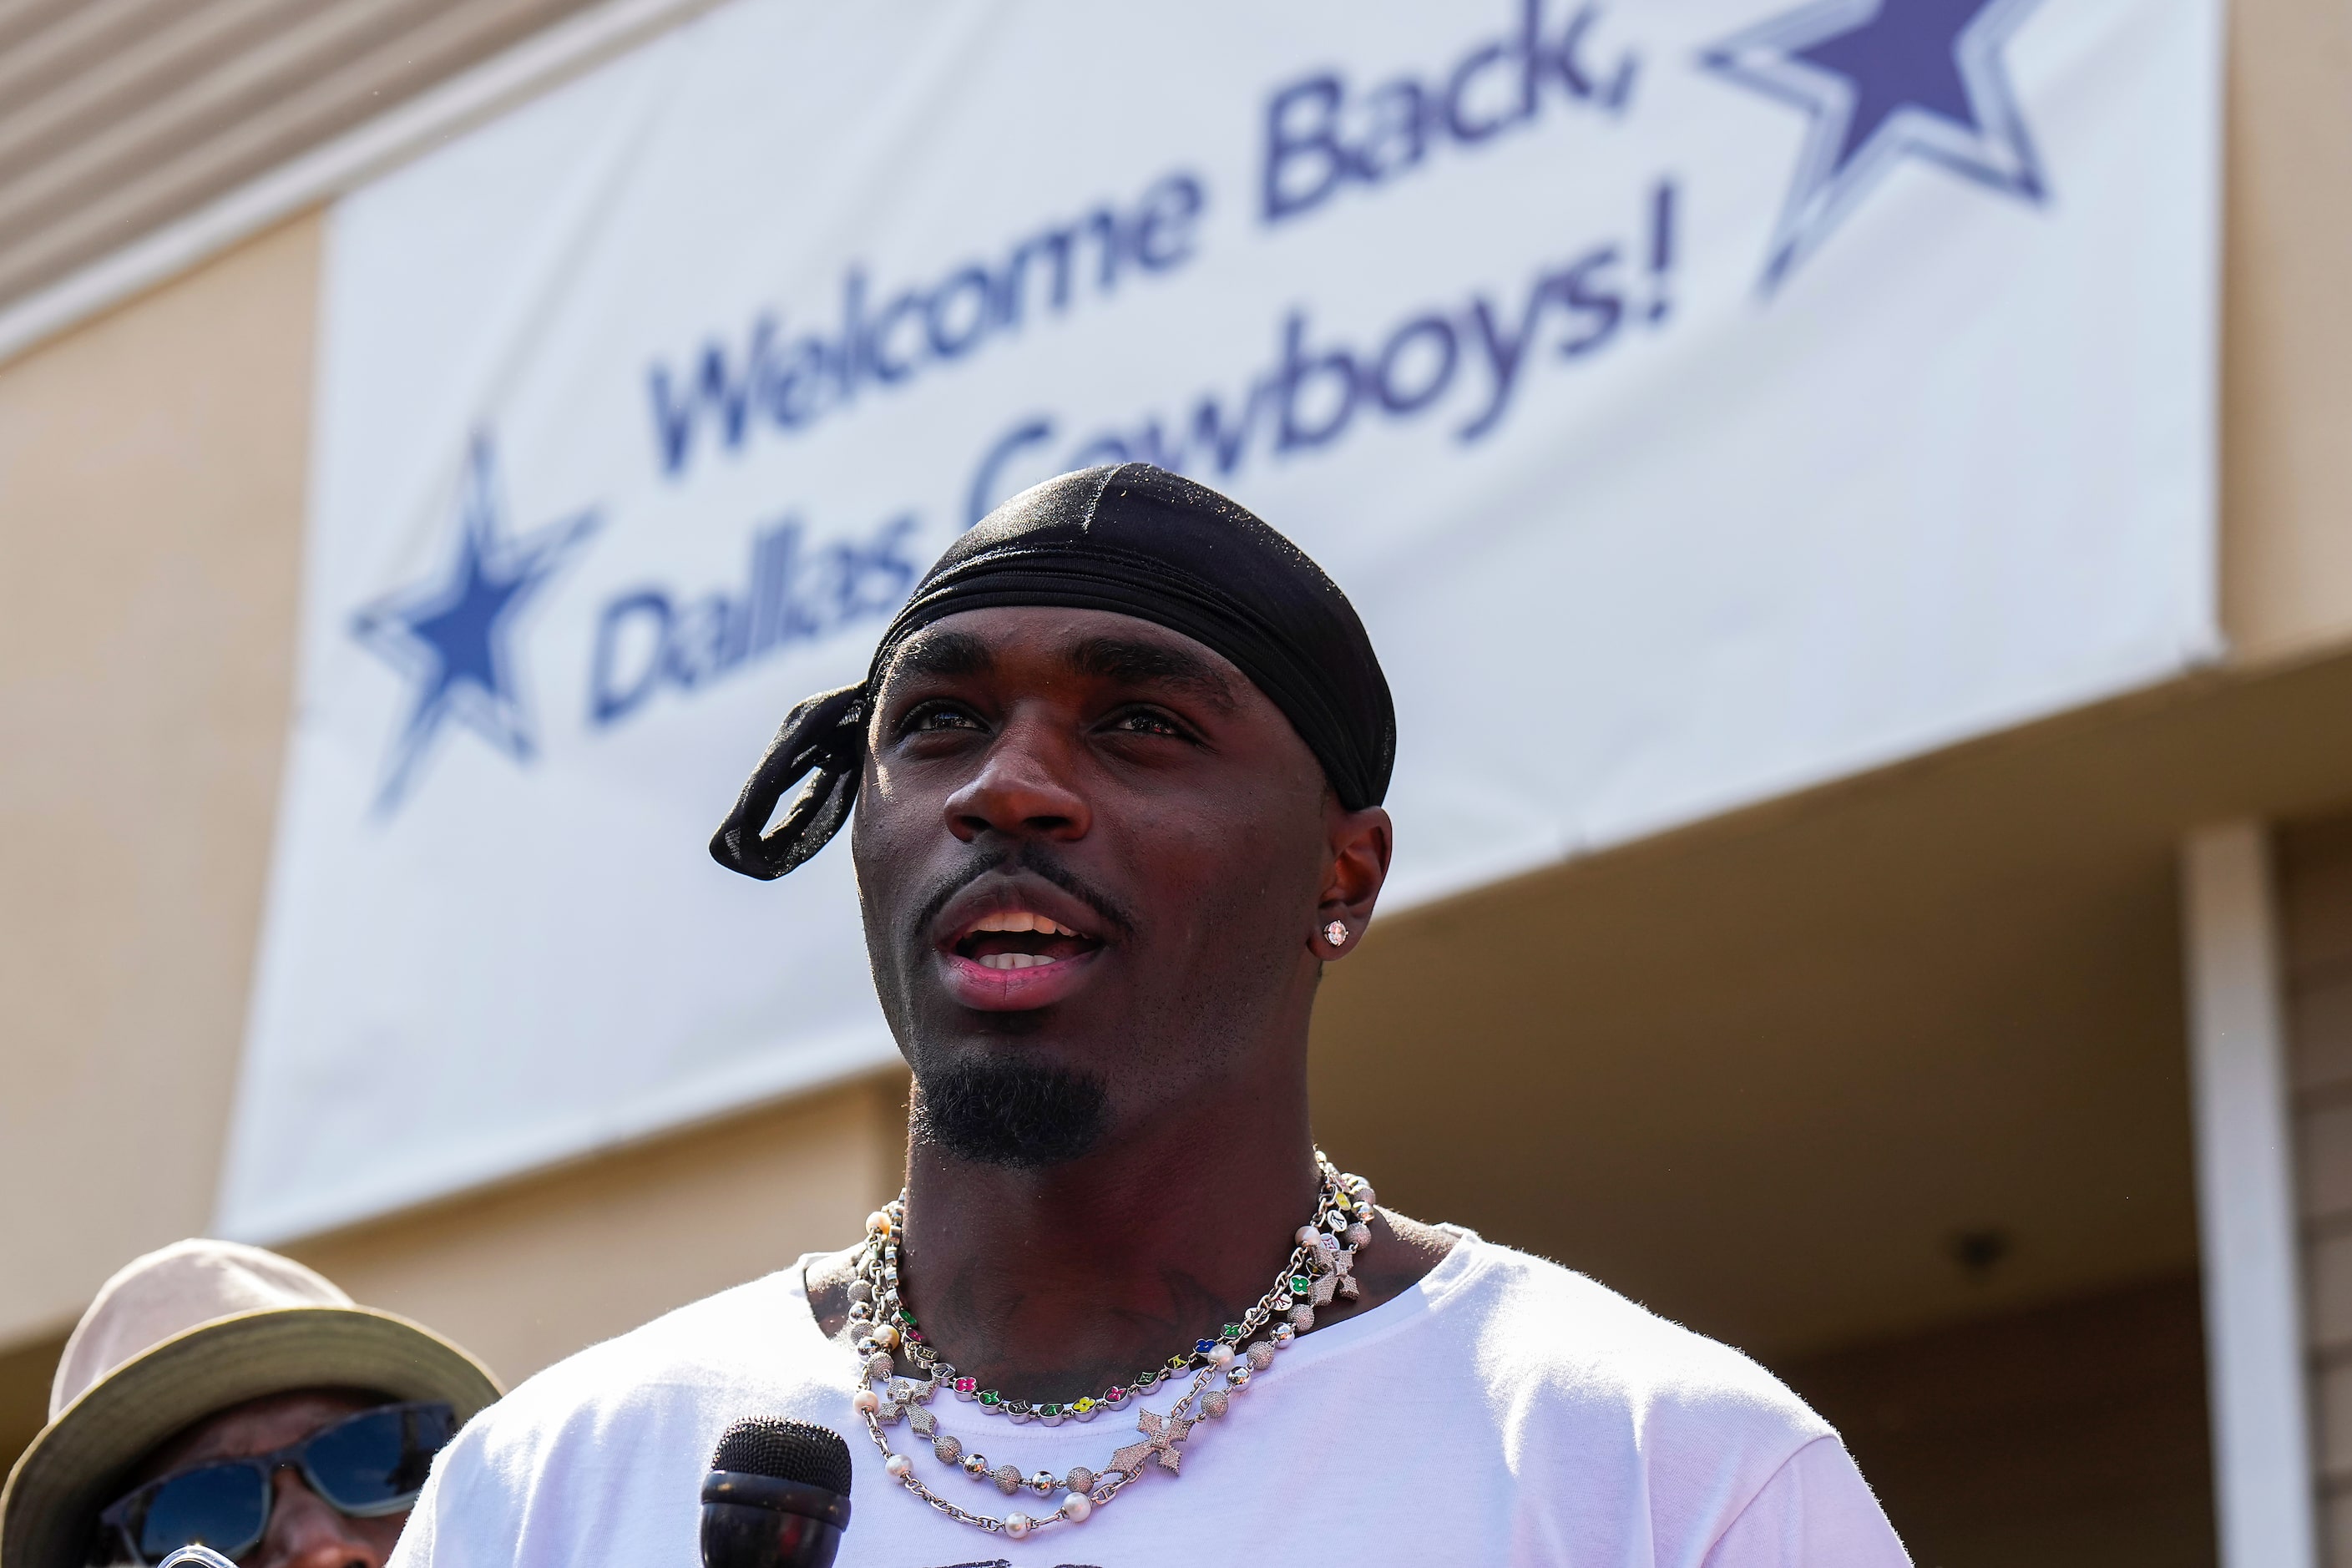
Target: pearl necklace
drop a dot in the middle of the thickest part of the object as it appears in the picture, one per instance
(1320, 1266)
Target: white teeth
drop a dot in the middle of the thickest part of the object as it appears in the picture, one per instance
(1022, 920)
(1014, 961)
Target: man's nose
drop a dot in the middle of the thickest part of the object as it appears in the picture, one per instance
(1023, 787)
(306, 1532)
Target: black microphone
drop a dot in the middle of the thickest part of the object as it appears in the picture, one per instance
(777, 1496)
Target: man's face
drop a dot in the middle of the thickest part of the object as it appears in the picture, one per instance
(304, 1531)
(1090, 849)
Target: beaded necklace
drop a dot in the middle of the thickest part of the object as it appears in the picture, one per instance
(1320, 1266)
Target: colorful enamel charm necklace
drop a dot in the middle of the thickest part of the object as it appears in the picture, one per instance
(1321, 1265)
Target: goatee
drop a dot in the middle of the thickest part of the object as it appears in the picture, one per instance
(1022, 1114)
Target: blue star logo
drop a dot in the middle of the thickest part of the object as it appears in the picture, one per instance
(1883, 81)
(450, 637)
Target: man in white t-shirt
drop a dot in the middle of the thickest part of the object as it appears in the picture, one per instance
(1117, 770)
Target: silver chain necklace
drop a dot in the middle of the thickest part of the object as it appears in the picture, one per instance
(1320, 1266)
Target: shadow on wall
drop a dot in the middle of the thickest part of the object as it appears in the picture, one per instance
(2071, 1433)
(25, 1373)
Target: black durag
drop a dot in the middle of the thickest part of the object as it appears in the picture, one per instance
(1135, 540)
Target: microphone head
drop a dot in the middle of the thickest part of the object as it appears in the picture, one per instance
(785, 1451)
(777, 1496)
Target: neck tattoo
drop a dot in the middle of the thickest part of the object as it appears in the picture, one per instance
(1320, 1266)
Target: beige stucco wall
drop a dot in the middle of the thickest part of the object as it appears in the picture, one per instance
(150, 500)
(2287, 360)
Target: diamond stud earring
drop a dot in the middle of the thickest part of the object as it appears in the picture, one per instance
(1336, 934)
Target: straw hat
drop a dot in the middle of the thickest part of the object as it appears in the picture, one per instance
(186, 1332)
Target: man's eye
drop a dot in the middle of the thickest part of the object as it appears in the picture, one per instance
(1141, 722)
(939, 716)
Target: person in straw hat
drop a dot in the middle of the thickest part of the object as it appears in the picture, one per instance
(218, 1394)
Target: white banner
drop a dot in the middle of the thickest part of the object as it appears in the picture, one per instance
(1698, 398)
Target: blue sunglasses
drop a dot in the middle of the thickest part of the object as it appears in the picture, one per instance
(364, 1465)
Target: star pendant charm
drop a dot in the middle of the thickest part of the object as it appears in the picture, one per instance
(1159, 1439)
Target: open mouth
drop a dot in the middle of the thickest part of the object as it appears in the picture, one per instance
(1018, 939)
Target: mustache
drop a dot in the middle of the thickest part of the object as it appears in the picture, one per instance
(1038, 861)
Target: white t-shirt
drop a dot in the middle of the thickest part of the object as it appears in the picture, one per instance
(1503, 1411)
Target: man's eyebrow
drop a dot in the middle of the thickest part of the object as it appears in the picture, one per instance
(1147, 663)
(939, 655)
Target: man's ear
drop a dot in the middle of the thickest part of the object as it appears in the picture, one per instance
(1361, 843)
